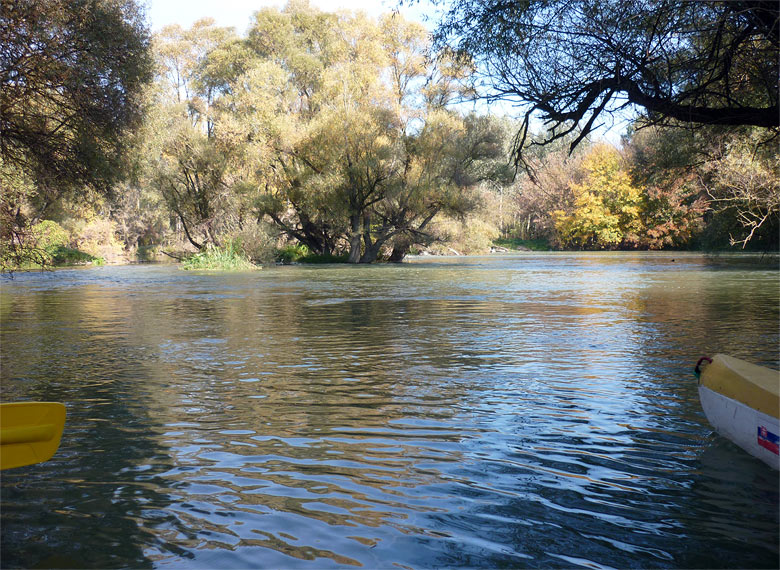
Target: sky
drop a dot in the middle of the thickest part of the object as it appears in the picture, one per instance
(237, 13)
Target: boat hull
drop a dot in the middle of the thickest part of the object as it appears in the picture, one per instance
(755, 432)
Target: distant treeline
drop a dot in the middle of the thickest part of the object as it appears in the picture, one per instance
(346, 136)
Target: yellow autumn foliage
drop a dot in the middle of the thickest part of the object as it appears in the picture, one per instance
(606, 209)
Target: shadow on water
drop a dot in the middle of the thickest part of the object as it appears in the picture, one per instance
(102, 486)
(732, 506)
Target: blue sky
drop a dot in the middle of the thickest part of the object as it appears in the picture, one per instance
(237, 13)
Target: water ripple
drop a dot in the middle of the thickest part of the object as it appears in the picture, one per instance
(536, 411)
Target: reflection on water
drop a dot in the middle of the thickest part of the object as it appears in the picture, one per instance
(525, 411)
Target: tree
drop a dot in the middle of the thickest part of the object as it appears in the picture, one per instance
(72, 74)
(323, 121)
(444, 164)
(71, 78)
(572, 62)
(663, 162)
(556, 172)
(191, 174)
(717, 185)
(332, 126)
(606, 209)
(361, 152)
(200, 138)
(742, 179)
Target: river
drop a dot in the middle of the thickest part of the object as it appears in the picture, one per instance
(528, 411)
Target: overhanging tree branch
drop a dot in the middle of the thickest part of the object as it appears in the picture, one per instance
(571, 61)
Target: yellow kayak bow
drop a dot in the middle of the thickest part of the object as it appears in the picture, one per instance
(30, 432)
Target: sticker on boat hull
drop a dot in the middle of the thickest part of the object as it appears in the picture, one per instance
(768, 440)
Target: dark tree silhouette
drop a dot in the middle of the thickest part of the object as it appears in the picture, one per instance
(71, 75)
(71, 79)
(573, 62)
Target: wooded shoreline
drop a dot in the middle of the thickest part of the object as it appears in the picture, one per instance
(324, 136)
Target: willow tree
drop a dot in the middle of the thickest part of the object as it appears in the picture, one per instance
(278, 103)
(334, 127)
(370, 154)
(192, 161)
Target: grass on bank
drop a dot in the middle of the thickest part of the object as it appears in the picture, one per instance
(214, 258)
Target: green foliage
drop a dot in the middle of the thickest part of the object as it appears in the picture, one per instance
(54, 241)
(214, 258)
(292, 253)
(18, 248)
(50, 235)
(337, 130)
(191, 173)
(61, 255)
(96, 237)
(742, 178)
(523, 244)
(299, 253)
(710, 188)
(147, 253)
(570, 63)
(339, 133)
(307, 123)
(256, 241)
(473, 234)
(661, 162)
(70, 93)
(44, 244)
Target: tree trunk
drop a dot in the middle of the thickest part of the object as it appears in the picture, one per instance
(400, 249)
(187, 232)
(354, 239)
(371, 253)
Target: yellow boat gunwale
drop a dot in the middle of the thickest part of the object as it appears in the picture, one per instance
(753, 385)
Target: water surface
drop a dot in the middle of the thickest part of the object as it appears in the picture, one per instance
(530, 411)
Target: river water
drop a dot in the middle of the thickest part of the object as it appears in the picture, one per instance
(527, 411)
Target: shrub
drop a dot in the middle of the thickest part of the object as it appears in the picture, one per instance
(49, 235)
(299, 253)
(472, 235)
(292, 253)
(256, 241)
(45, 243)
(98, 237)
(227, 258)
(147, 253)
(69, 256)
(54, 240)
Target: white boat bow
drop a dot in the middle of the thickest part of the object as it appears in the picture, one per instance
(741, 401)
